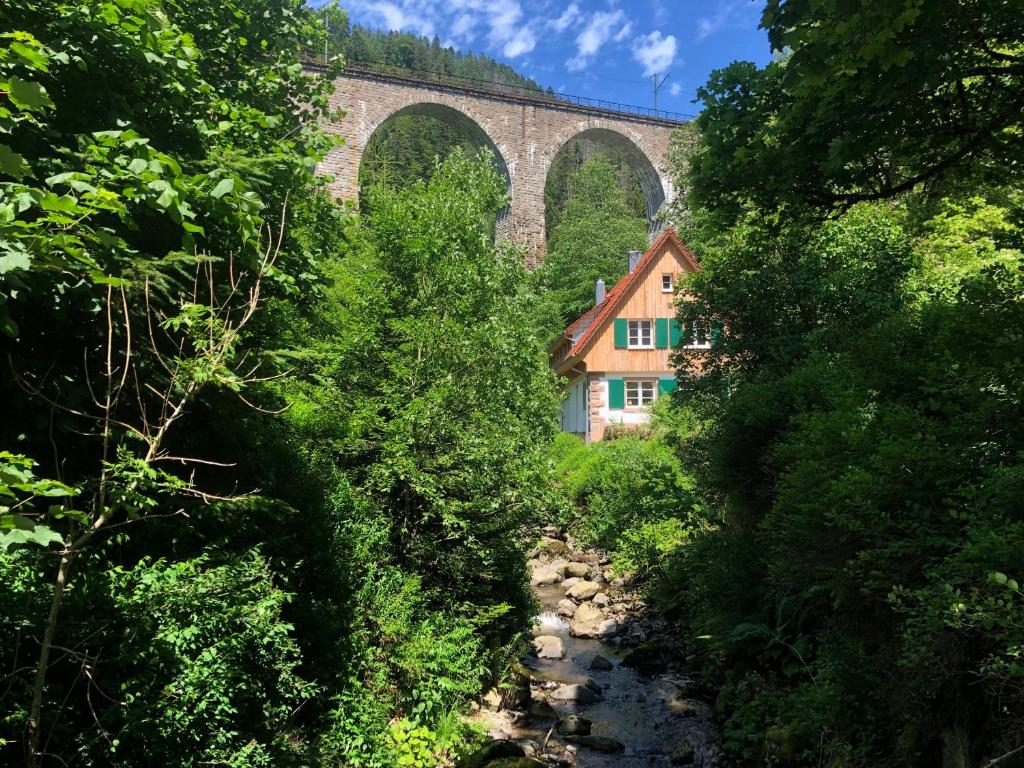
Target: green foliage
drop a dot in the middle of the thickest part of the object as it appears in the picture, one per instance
(858, 451)
(861, 453)
(428, 334)
(407, 148)
(561, 182)
(208, 651)
(629, 496)
(862, 103)
(20, 492)
(596, 229)
(423, 55)
(859, 457)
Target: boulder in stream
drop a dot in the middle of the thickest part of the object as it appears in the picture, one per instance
(558, 565)
(600, 743)
(574, 725)
(602, 599)
(554, 547)
(549, 647)
(552, 532)
(580, 570)
(581, 694)
(566, 608)
(543, 576)
(587, 620)
(540, 709)
(583, 590)
(488, 753)
(600, 663)
(607, 628)
(649, 659)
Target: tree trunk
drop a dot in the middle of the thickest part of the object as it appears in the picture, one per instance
(44, 659)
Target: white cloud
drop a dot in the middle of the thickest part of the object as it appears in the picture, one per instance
(675, 89)
(462, 27)
(522, 42)
(597, 32)
(508, 31)
(655, 52)
(569, 17)
(392, 17)
(623, 33)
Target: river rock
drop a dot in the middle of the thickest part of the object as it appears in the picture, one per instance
(495, 750)
(570, 582)
(580, 570)
(607, 628)
(544, 576)
(583, 590)
(682, 753)
(649, 659)
(601, 663)
(581, 694)
(636, 632)
(554, 547)
(601, 744)
(694, 708)
(517, 762)
(552, 532)
(574, 725)
(602, 599)
(558, 565)
(540, 709)
(587, 620)
(566, 608)
(549, 647)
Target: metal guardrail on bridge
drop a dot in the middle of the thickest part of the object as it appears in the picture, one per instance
(520, 93)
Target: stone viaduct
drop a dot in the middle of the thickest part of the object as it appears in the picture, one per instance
(524, 128)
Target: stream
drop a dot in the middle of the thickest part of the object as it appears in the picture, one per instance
(637, 706)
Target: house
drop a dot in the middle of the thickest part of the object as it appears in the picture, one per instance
(616, 356)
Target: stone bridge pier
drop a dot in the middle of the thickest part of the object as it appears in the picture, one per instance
(524, 129)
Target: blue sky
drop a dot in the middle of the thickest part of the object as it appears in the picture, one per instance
(604, 49)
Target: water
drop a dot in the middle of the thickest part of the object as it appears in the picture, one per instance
(650, 716)
(549, 623)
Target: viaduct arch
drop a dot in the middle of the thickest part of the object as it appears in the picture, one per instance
(525, 129)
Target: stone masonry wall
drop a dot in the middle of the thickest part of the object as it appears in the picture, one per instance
(527, 137)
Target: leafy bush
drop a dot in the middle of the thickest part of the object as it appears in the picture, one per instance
(209, 667)
(630, 496)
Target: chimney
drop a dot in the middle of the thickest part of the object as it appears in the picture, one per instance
(634, 259)
(599, 291)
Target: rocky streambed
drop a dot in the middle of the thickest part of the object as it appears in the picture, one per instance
(606, 685)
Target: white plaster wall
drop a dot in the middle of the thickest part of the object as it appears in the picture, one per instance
(617, 416)
(574, 407)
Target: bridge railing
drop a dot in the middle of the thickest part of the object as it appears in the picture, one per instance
(536, 95)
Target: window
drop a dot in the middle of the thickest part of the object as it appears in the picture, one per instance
(640, 334)
(698, 338)
(640, 392)
(666, 283)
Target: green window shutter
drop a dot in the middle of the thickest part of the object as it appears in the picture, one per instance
(621, 333)
(616, 393)
(674, 333)
(661, 333)
(717, 332)
(665, 386)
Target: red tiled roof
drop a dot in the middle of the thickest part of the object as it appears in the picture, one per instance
(613, 300)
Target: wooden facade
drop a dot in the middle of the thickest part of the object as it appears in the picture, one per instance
(594, 353)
